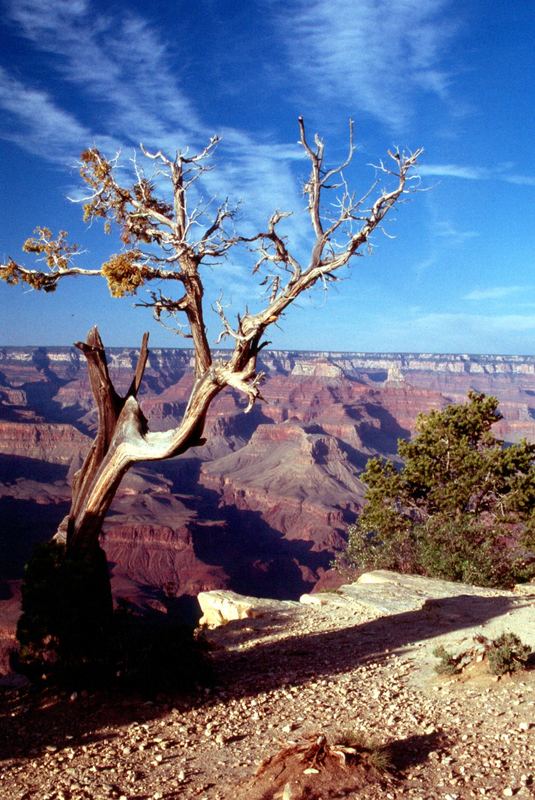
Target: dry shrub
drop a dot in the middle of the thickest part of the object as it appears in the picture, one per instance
(315, 767)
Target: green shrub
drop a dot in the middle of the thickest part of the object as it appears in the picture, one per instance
(377, 754)
(507, 654)
(448, 664)
(468, 550)
(461, 507)
(152, 654)
(504, 655)
(66, 612)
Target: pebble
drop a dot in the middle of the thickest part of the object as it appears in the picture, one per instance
(252, 718)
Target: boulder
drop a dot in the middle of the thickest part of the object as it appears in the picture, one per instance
(221, 606)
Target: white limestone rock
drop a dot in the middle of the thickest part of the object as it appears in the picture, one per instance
(221, 606)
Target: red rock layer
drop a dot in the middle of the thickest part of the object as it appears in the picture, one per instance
(277, 487)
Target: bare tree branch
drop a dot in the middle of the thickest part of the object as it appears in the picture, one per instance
(171, 242)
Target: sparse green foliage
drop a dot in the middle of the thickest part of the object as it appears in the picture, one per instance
(112, 202)
(462, 506)
(380, 757)
(357, 744)
(448, 664)
(468, 550)
(507, 654)
(504, 655)
(123, 273)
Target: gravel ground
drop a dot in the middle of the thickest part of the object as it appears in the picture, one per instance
(278, 680)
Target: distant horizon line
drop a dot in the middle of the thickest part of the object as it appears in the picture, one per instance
(296, 350)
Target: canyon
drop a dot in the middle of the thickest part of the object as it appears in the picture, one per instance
(264, 505)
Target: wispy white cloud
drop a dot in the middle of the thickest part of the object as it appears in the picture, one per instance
(454, 235)
(377, 55)
(32, 119)
(520, 180)
(453, 171)
(425, 264)
(445, 235)
(444, 332)
(43, 17)
(119, 62)
(124, 68)
(501, 172)
(493, 293)
(503, 323)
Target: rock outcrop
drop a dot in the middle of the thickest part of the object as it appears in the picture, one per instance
(54, 443)
(301, 483)
(220, 607)
(427, 611)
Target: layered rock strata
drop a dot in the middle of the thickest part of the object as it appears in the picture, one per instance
(265, 504)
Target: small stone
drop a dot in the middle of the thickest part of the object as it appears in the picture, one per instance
(508, 791)
(289, 728)
(524, 726)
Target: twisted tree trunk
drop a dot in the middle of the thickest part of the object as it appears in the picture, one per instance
(91, 498)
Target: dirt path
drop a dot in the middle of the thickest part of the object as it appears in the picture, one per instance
(278, 680)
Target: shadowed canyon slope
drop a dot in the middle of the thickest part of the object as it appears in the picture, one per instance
(264, 505)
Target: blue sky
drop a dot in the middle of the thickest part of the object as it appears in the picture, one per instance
(456, 78)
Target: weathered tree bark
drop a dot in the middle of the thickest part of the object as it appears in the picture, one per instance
(122, 440)
(79, 530)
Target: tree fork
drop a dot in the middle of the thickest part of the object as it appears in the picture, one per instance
(123, 439)
(74, 530)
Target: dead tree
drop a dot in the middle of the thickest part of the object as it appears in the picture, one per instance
(167, 242)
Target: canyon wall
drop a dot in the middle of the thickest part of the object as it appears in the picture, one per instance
(264, 505)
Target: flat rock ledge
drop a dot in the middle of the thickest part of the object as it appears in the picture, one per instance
(381, 593)
(386, 592)
(420, 613)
